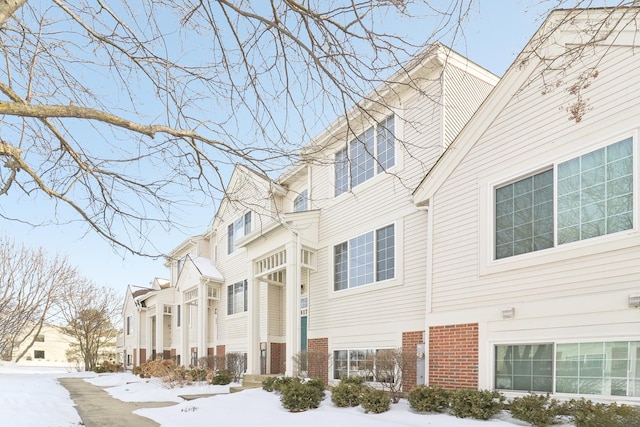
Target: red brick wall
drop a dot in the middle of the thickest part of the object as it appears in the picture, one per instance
(318, 358)
(220, 350)
(209, 351)
(168, 354)
(278, 358)
(143, 355)
(410, 341)
(453, 356)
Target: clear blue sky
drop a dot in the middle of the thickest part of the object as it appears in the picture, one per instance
(496, 33)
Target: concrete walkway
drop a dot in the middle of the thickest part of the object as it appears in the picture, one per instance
(97, 408)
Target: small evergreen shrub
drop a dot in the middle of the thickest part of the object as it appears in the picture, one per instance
(376, 401)
(428, 398)
(348, 392)
(267, 384)
(478, 404)
(537, 409)
(588, 414)
(298, 396)
(221, 378)
(280, 383)
(316, 383)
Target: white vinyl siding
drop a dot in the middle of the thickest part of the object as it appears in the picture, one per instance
(594, 194)
(356, 163)
(365, 259)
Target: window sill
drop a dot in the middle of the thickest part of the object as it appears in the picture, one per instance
(371, 287)
(593, 246)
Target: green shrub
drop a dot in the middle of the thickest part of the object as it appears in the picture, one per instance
(267, 384)
(348, 392)
(478, 404)
(298, 396)
(376, 401)
(99, 369)
(221, 378)
(316, 383)
(588, 414)
(428, 398)
(537, 409)
(280, 383)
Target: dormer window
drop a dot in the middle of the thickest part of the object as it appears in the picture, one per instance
(238, 229)
(301, 202)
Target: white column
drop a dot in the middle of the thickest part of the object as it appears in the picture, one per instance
(159, 330)
(202, 320)
(253, 323)
(148, 336)
(292, 303)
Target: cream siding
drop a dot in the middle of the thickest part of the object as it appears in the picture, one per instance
(515, 139)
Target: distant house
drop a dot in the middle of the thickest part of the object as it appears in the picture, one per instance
(49, 346)
(533, 246)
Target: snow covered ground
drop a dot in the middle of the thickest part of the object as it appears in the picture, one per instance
(31, 396)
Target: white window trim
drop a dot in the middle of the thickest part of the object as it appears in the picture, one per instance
(240, 249)
(398, 153)
(398, 271)
(226, 308)
(337, 380)
(605, 243)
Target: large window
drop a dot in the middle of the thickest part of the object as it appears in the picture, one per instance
(598, 368)
(524, 367)
(237, 300)
(38, 354)
(365, 259)
(371, 152)
(129, 326)
(373, 365)
(593, 194)
(239, 228)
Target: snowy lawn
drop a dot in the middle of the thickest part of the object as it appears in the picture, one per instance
(32, 397)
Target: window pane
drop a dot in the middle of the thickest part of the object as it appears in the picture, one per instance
(385, 253)
(524, 367)
(362, 161)
(340, 267)
(340, 364)
(342, 172)
(595, 193)
(524, 215)
(300, 202)
(361, 260)
(386, 144)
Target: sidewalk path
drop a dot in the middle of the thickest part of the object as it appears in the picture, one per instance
(98, 409)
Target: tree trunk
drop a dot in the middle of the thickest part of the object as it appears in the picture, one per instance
(8, 8)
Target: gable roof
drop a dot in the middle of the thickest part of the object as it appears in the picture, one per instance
(206, 268)
(552, 36)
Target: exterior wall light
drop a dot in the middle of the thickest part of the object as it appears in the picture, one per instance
(634, 300)
(509, 313)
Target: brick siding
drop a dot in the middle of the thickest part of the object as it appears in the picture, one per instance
(453, 356)
(410, 341)
(278, 358)
(318, 358)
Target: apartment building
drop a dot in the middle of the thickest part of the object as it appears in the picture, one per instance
(533, 213)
